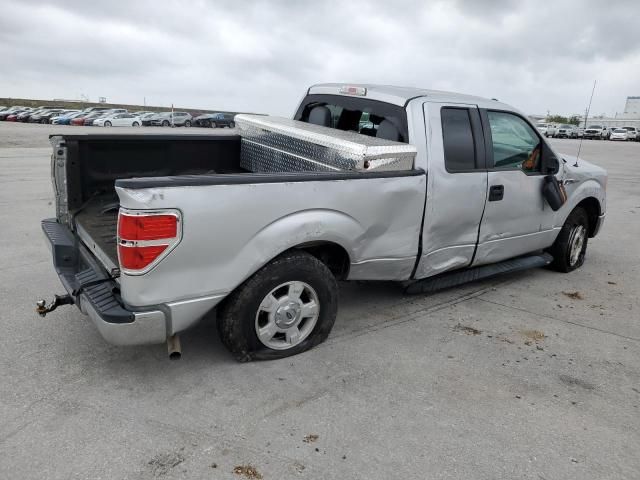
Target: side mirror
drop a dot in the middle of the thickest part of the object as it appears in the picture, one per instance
(550, 163)
(552, 166)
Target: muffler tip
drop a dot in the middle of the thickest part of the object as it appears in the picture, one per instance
(174, 348)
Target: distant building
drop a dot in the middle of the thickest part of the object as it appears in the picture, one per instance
(629, 118)
(632, 107)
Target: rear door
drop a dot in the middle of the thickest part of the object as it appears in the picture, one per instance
(457, 187)
(119, 120)
(517, 220)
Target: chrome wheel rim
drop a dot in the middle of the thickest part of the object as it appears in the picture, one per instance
(287, 315)
(576, 243)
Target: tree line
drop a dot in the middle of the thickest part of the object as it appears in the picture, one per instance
(573, 120)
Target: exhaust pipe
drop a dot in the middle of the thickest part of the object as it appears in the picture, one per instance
(174, 348)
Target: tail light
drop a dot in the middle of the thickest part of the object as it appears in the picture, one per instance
(146, 237)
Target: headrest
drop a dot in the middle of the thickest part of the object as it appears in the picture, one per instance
(320, 115)
(388, 131)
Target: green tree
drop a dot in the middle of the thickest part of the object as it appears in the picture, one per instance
(557, 119)
(574, 120)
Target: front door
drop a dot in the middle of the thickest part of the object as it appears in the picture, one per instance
(516, 220)
(456, 187)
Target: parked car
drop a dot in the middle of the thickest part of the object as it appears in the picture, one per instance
(62, 114)
(566, 131)
(24, 116)
(12, 111)
(596, 132)
(215, 120)
(46, 117)
(542, 128)
(65, 119)
(547, 129)
(147, 118)
(118, 120)
(177, 119)
(634, 135)
(289, 232)
(88, 121)
(13, 116)
(619, 134)
(580, 132)
(79, 120)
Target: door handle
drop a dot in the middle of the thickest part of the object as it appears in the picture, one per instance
(496, 193)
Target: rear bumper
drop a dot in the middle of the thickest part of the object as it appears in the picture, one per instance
(100, 302)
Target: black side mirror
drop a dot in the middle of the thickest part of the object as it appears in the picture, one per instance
(550, 163)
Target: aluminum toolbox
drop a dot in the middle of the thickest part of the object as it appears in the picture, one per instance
(276, 144)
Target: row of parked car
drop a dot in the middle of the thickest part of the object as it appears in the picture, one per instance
(113, 117)
(597, 132)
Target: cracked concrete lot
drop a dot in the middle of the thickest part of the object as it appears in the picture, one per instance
(516, 377)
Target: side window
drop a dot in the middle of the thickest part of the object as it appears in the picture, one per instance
(515, 144)
(457, 139)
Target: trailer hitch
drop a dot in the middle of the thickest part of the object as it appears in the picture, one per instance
(42, 308)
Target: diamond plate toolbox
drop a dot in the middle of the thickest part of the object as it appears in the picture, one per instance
(276, 144)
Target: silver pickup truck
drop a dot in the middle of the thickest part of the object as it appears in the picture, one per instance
(153, 232)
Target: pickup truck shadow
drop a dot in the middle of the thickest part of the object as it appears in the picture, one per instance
(364, 306)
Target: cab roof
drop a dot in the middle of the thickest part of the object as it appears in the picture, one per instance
(402, 95)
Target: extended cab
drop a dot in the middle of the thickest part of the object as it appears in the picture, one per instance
(152, 232)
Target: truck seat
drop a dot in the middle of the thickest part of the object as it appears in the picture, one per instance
(320, 115)
(388, 131)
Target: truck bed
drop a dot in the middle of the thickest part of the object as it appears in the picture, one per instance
(96, 224)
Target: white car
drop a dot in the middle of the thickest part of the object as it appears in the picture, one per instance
(567, 131)
(118, 120)
(546, 129)
(619, 134)
(633, 133)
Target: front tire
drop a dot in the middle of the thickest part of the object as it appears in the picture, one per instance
(107, 124)
(214, 125)
(187, 123)
(165, 123)
(136, 124)
(570, 247)
(286, 308)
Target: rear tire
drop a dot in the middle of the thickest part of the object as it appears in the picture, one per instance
(187, 123)
(285, 308)
(214, 125)
(136, 124)
(570, 247)
(232, 125)
(165, 123)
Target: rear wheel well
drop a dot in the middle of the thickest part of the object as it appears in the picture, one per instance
(591, 205)
(334, 256)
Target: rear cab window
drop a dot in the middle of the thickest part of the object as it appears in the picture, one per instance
(357, 114)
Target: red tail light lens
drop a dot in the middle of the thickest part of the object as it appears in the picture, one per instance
(144, 238)
(147, 227)
(138, 258)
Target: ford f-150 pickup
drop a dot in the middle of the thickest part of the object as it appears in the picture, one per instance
(153, 232)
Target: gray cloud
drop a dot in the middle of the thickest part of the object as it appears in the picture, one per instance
(261, 56)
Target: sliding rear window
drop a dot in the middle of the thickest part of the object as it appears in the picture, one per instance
(358, 114)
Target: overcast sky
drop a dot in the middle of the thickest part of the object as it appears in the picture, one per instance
(261, 56)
